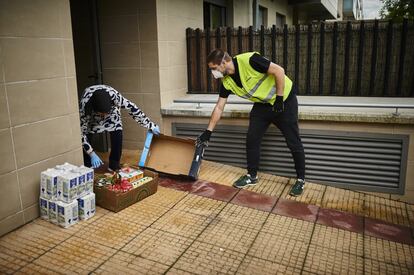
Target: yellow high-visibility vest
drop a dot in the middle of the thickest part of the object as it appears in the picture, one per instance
(257, 87)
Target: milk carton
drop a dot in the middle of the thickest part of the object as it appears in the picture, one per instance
(44, 208)
(67, 213)
(67, 187)
(86, 205)
(48, 183)
(67, 167)
(81, 184)
(88, 172)
(53, 211)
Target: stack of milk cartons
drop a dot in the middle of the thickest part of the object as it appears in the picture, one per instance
(66, 194)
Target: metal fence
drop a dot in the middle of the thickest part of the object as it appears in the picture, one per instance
(346, 58)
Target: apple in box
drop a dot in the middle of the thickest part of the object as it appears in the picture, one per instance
(130, 174)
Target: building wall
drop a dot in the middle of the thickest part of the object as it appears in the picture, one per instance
(331, 126)
(173, 17)
(277, 6)
(243, 13)
(130, 59)
(39, 121)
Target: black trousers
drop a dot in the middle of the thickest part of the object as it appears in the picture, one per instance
(260, 118)
(116, 151)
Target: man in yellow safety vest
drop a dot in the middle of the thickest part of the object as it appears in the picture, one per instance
(253, 77)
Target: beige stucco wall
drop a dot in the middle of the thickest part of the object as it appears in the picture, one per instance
(130, 59)
(277, 6)
(397, 129)
(39, 121)
(173, 17)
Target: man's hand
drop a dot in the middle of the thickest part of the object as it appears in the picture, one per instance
(204, 137)
(95, 160)
(156, 130)
(278, 105)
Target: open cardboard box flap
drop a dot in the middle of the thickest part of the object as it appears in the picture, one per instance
(168, 155)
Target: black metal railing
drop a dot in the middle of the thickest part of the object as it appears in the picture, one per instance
(345, 58)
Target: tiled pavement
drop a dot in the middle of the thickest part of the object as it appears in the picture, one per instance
(206, 227)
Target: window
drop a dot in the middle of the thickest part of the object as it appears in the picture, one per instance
(280, 20)
(214, 16)
(262, 20)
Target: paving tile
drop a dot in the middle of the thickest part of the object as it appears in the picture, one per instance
(35, 269)
(175, 184)
(244, 216)
(112, 230)
(387, 210)
(296, 210)
(182, 223)
(312, 194)
(229, 236)
(388, 231)
(214, 191)
(410, 210)
(200, 205)
(341, 220)
(389, 252)
(279, 249)
(125, 263)
(270, 185)
(253, 265)
(176, 271)
(290, 228)
(143, 213)
(27, 243)
(323, 260)
(158, 246)
(376, 267)
(342, 240)
(75, 255)
(165, 197)
(344, 200)
(204, 258)
(254, 200)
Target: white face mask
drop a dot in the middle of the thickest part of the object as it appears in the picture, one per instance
(217, 74)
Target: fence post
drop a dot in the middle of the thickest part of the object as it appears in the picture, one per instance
(321, 57)
(297, 49)
(262, 47)
(250, 39)
(189, 59)
(274, 43)
(308, 61)
(285, 44)
(388, 58)
(218, 38)
(228, 34)
(240, 39)
(208, 49)
(348, 37)
(373, 58)
(333, 69)
(198, 57)
(402, 56)
(360, 56)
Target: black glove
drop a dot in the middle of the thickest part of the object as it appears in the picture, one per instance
(204, 137)
(278, 106)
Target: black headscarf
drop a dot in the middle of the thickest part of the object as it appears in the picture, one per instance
(100, 102)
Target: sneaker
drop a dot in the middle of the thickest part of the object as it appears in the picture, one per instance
(244, 181)
(297, 188)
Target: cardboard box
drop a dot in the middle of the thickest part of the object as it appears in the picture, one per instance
(172, 156)
(116, 201)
